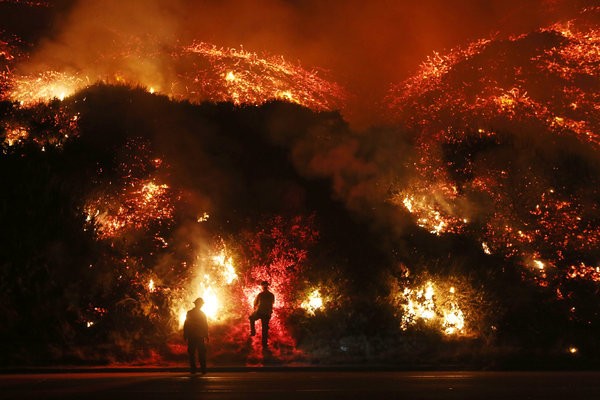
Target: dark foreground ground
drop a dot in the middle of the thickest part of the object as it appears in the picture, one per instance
(302, 384)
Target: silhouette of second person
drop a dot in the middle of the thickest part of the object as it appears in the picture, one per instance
(263, 308)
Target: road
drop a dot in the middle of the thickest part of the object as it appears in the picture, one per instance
(302, 384)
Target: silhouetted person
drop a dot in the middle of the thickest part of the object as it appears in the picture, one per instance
(263, 308)
(195, 331)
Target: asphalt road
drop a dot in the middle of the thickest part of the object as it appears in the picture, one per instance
(305, 384)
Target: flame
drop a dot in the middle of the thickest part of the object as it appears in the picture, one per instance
(15, 135)
(139, 203)
(454, 320)
(214, 282)
(182, 313)
(230, 77)
(462, 111)
(46, 86)
(227, 268)
(234, 75)
(539, 264)
(313, 302)
(422, 303)
(203, 218)
(212, 304)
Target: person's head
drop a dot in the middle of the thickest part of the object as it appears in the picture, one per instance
(264, 285)
(199, 302)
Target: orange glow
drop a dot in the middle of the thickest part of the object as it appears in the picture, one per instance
(455, 104)
(232, 75)
(133, 208)
(213, 282)
(313, 302)
(437, 305)
(46, 86)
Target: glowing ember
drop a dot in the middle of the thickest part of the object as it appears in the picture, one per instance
(203, 218)
(245, 78)
(135, 201)
(43, 125)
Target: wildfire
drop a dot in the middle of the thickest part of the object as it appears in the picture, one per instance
(429, 304)
(468, 115)
(213, 303)
(46, 86)
(245, 78)
(472, 107)
(15, 135)
(138, 204)
(226, 265)
(313, 302)
(430, 216)
(197, 72)
(214, 282)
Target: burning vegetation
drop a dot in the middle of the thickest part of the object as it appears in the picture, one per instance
(136, 189)
(197, 72)
(498, 126)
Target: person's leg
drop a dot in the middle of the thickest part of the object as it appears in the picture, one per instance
(192, 348)
(202, 356)
(265, 329)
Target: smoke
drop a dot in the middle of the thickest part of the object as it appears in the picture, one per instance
(362, 45)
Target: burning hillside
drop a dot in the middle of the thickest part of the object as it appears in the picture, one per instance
(506, 133)
(196, 72)
(142, 175)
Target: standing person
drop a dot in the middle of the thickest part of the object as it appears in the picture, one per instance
(263, 308)
(195, 331)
